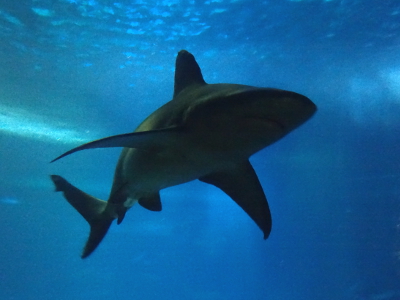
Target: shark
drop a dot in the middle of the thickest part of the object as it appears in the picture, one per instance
(206, 132)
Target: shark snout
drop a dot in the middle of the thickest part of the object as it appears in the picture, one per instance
(308, 107)
(271, 109)
(290, 110)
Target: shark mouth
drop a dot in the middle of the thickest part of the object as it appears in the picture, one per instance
(276, 123)
(268, 121)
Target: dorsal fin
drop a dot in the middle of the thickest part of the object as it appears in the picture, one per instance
(187, 72)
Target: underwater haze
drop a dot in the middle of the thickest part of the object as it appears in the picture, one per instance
(77, 70)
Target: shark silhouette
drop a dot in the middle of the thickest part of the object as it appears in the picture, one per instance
(206, 132)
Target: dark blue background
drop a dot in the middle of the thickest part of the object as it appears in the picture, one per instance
(73, 70)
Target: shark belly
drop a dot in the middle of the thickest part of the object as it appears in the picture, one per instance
(146, 174)
(207, 147)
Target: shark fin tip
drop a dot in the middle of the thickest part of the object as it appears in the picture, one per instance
(98, 229)
(59, 182)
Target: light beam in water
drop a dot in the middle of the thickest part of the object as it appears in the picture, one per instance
(20, 122)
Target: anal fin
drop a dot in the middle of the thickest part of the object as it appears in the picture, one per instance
(119, 197)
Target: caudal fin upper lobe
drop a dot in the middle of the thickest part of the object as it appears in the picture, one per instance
(91, 208)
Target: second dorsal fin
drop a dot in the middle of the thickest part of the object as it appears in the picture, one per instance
(187, 72)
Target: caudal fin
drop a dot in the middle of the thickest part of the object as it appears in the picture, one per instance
(91, 208)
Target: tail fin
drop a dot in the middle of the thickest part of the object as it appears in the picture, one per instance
(92, 209)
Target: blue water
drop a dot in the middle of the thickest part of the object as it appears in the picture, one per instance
(73, 71)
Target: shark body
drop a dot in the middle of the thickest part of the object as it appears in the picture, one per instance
(206, 132)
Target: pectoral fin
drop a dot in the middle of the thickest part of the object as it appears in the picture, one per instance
(143, 139)
(243, 186)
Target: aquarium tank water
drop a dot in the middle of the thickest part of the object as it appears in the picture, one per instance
(74, 71)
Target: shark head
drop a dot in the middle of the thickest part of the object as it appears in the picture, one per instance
(244, 115)
(279, 109)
